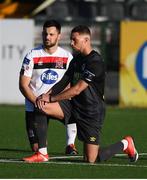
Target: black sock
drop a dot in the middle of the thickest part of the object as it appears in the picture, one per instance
(29, 117)
(41, 125)
(110, 151)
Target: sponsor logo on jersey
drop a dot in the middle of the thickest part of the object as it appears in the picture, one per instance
(49, 77)
(26, 61)
(141, 65)
(27, 68)
(59, 64)
(88, 75)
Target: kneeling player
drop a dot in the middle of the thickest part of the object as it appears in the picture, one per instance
(62, 113)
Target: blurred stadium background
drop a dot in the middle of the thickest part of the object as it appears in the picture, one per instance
(119, 32)
(104, 17)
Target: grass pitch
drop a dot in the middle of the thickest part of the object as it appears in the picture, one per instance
(118, 123)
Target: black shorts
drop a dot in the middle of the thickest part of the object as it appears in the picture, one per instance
(66, 108)
(89, 128)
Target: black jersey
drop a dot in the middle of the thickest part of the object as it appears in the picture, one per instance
(87, 108)
(91, 69)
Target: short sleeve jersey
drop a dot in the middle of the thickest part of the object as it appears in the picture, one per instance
(91, 69)
(44, 69)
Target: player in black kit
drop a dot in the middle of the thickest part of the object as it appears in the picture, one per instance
(87, 76)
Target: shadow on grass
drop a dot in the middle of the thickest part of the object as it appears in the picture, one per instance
(6, 152)
(14, 150)
(29, 151)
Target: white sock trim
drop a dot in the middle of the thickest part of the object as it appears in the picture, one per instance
(71, 132)
(125, 143)
(43, 150)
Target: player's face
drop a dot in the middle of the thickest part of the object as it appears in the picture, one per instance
(50, 37)
(77, 41)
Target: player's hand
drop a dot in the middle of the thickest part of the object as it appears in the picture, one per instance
(40, 104)
(41, 100)
(44, 97)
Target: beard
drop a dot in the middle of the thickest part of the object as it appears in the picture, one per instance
(48, 44)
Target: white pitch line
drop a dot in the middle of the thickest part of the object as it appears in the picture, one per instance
(11, 161)
(75, 163)
(78, 163)
(65, 157)
(140, 154)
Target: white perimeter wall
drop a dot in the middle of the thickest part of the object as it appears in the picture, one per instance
(16, 38)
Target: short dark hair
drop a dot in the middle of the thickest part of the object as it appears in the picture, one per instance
(81, 29)
(52, 22)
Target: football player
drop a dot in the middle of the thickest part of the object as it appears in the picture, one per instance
(42, 68)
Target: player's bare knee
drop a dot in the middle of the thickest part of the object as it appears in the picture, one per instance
(90, 159)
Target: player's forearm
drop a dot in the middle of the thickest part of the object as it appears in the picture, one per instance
(71, 92)
(25, 89)
(61, 85)
(67, 94)
(27, 92)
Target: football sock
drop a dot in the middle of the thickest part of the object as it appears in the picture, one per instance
(125, 143)
(110, 151)
(43, 150)
(29, 117)
(41, 124)
(71, 132)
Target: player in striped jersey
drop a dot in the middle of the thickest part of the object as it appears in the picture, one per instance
(42, 68)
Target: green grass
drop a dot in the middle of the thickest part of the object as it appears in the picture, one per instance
(118, 123)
